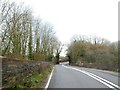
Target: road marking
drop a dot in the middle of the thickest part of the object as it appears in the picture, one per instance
(49, 79)
(104, 81)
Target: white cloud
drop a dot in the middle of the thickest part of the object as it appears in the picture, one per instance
(71, 17)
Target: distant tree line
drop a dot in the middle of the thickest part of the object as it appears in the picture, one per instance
(93, 51)
(24, 36)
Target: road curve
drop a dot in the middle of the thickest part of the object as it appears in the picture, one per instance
(77, 77)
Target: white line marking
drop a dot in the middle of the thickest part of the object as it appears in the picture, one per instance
(106, 81)
(49, 79)
(95, 77)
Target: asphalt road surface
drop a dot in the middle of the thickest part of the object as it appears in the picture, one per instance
(65, 76)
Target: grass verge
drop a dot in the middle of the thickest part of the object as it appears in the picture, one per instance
(37, 80)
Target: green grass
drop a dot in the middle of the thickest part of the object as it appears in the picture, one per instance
(36, 80)
(116, 70)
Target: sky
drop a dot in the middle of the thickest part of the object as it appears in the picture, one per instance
(82, 17)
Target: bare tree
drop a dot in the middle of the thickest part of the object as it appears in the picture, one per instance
(23, 36)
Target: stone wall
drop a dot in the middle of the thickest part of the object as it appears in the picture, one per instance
(15, 71)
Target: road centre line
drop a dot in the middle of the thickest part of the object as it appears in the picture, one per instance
(103, 81)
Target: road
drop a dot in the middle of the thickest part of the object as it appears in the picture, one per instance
(65, 76)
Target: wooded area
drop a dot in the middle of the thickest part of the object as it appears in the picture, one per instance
(93, 51)
(24, 36)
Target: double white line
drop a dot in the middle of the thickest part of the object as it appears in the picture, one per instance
(98, 78)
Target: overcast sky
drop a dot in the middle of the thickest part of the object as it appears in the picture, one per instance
(85, 17)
